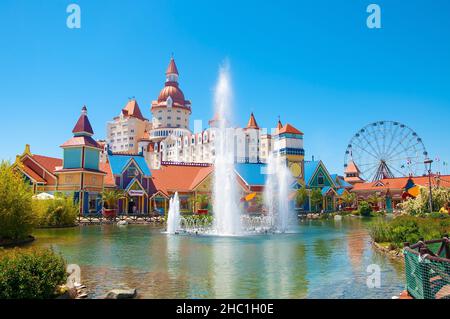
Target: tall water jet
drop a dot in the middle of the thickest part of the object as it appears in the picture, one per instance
(173, 218)
(276, 193)
(225, 198)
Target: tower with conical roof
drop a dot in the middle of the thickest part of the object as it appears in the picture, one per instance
(171, 110)
(80, 174)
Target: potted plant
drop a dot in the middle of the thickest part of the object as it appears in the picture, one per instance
(111, 199)
(202, 201)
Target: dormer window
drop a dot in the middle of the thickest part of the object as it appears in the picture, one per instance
(169, 102)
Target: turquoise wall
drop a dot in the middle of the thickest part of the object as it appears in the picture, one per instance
(72, 158)
(91, 158)
(326, 179)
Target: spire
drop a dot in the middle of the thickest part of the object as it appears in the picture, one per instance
(279, 124)
(252, 122)
(172, 68)
(83, 126)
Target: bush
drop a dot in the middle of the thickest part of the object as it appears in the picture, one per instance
(364, 209)
(419, 206)
(31, 274)
(408, 229)
(16, 216)
(57, 212)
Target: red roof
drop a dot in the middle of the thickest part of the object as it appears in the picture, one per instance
(109, 180)
(181, 178)
(172, 68)
(32, 174)
(49, 163)
(252, 122)
(288, 128)
(400, 183)
(83, 125)
(132, 109)
(82, 141)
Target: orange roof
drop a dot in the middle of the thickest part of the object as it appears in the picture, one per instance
(132, 109)
(288, 128)
(352, 168)
(400, 183)
(252, 122)
(179, 177)
(49, 163)
(109, 178)
(172, 68)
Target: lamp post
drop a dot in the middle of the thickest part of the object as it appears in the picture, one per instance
(428, 162)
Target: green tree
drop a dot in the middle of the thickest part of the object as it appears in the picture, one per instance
(316, 198)
(16, 214)
(301, 196)
(349, 198)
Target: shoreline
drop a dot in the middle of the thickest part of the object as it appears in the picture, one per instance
(393, 254)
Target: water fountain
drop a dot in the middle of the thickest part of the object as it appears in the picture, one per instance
(225, 198)
(276, 192)
(228, 218)
(173, 217)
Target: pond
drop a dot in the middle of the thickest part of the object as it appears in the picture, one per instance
(322, 259)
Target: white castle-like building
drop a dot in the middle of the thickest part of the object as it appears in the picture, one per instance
(168, 138)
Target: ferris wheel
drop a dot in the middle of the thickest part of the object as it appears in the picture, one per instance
(386, 149)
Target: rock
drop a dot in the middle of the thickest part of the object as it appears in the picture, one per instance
(121, 294)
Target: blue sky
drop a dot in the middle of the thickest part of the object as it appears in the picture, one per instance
(314, 63)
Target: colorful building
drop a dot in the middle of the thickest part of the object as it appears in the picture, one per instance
(78, 174)
(130, 174)
(331, 186)
(392, 191)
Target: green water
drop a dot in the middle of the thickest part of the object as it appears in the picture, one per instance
(322, 259)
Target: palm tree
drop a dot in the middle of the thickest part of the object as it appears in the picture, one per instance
(374, 199)
(316, 198)
(301, 196)
(349, 199)
(111, 197)
(202, 200)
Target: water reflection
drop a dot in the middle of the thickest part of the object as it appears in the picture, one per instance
(321, 260)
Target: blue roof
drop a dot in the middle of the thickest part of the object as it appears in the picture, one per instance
(340, 191)
(325, 189)
(310, 168)
(252, 173)
(119, 162)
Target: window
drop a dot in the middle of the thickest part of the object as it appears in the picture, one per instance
(169, 118)
(131, 138)
(69, 179)
(178, 118)
(320, 179)
(131, 172)
(93, 202)
(132, 131)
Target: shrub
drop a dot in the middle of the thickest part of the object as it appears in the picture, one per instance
(16, 216)
(58, 212)
(31, 274)
(409, 229)
(419, 206)
(364, 209)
